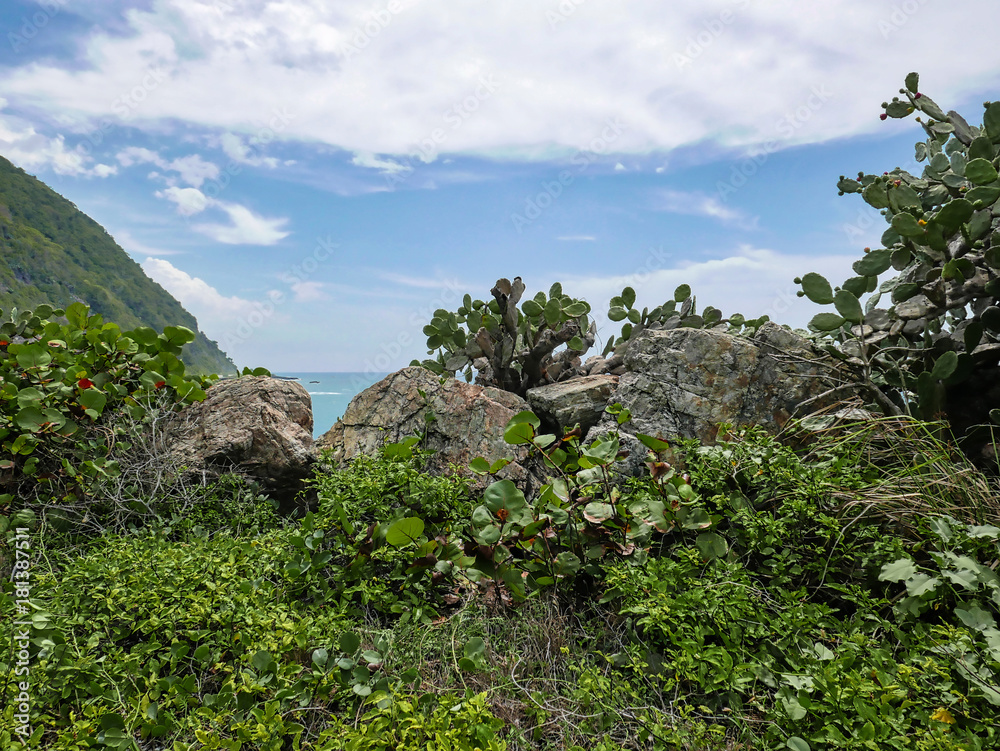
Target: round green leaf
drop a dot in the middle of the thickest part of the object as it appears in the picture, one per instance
(711, 545)
(480, 466)
(531, 308)
(30, 419)
(567, 563)
(826, 322)
(945, 365)
(682, 293)
(874, 263)
(848, 306)
(980, 172)
(817, 288)
(404, 531)
(33, 356)
(349, 642)
(906, 225)
(93, 399)
(262, 660)
(504, 494)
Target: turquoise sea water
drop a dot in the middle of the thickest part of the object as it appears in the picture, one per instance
(331, 393)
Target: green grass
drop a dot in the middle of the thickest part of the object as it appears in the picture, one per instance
(855, 606)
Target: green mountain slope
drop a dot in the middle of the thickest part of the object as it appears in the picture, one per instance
(51, 252)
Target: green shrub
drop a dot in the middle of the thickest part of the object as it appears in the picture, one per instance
(63, 374)
(414, 724)
(927, 351)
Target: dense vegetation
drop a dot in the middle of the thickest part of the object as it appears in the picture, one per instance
(832, 587)
(52, 253)
(924, 342)
(844, 597)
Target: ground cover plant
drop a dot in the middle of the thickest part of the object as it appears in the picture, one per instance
(745, 595)
(811, 618)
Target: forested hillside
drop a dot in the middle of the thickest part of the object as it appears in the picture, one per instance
(51, 252)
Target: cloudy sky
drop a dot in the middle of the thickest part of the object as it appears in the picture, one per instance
(313, 179)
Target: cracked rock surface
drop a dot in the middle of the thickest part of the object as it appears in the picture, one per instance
(468, 421)
(256, 426)
(682, 383)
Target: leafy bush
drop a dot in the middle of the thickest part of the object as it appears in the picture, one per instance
(63, 374)
(414, 724)
(516, 350)
(512, 349)
(933, 349)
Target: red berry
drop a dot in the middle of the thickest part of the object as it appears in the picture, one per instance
(917, 95)
(883, 116)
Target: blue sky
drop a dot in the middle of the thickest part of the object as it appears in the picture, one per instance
(312, 183)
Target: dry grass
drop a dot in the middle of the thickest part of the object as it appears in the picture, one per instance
(912, 470)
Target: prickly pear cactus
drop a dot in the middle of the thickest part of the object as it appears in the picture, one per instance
(927, 339)
(512, 349)
(680, 312)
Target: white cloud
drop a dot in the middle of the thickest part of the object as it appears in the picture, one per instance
(246, 228)
(386, 166)
(728, 72)
(194, 170)
(132, 246)
(699, 204)
(577, 238)
(308, 292)
(191, 169)
(215, 312)
(238, 151)
(138, 155)
(31, 150)
(753, 281)
(190, 201)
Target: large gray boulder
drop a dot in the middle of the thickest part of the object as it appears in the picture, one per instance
(254, 426)
(467, 421)
(683, 382)
(578, 400)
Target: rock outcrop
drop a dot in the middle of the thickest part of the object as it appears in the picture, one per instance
(579, 400)
(683, 382)
(466, 421)
(255, 426)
